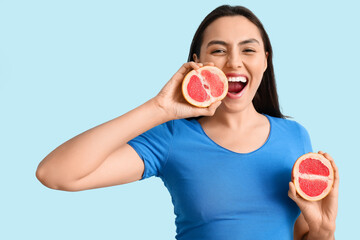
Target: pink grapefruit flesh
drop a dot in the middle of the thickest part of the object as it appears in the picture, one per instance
(313, 176)
(204, 86)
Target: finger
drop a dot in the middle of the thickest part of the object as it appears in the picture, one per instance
(336, 177)
(328, 157)
(179, 76)
(336, 171)
(187, 67)
(214, 106)
(209, 64)
(292, 191)
(194, 65)
(331, 160)
(209, 111)
(294, 196)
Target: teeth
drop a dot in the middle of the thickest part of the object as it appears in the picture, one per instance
(237, 79)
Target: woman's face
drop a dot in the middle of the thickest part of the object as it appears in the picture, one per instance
(234, 44)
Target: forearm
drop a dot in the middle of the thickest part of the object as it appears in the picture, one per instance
(84, 153)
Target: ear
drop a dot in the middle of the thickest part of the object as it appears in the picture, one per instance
(195, 58)
(265, 63)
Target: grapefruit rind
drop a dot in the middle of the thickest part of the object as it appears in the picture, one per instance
(212, 99)
(295, 176)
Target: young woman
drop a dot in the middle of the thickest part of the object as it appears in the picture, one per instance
(228, 166)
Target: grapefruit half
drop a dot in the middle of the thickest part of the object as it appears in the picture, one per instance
(313, 176)
(204, 86)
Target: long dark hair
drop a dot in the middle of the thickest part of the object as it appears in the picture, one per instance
(266, 98)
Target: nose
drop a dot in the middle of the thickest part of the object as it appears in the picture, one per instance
(234, 60)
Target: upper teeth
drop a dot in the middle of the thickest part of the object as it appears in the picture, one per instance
(237, 79)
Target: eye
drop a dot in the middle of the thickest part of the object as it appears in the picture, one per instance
(248, 50)
(218, 51)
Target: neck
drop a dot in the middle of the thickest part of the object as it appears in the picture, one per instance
(234, 120)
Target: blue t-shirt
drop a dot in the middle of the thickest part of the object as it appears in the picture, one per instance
(219, 194)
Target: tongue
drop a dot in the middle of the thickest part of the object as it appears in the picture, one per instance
(236, 86)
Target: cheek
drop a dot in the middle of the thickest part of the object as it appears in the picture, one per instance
(257, 66)
(217, 60)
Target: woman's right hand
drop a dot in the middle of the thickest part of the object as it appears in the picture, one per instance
(171, 99)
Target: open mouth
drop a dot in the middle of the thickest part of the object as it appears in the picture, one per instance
(237, 85)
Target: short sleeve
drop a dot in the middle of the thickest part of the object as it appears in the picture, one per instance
(305, 139)
(153, 148)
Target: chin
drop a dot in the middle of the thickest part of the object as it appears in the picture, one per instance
(233, 106)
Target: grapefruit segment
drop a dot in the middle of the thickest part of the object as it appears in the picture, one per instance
(312, 188)
(204, 86)
(313, 166)
(313, 176)
(195, 89)
(213, 81)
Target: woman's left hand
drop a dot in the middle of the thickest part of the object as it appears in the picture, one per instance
(319, 215)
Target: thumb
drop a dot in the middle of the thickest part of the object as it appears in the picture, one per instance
(209, 111)
(296, 198)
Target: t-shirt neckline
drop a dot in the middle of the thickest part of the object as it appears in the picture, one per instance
(248, 153)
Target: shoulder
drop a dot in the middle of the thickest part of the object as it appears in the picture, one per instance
(290, 131)
(287, 126)
(185, 123)
(174, 126)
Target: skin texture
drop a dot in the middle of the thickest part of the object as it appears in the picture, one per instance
(100, 157)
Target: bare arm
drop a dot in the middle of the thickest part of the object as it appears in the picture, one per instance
(302, 232)
(301, 228)
(97, 147)
(100, 157)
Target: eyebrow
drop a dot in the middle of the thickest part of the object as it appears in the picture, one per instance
(250, 40)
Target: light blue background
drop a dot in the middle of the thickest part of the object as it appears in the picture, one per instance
(67, 66)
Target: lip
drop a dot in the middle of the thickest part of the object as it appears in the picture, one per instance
(236, 75)
(238, 95)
